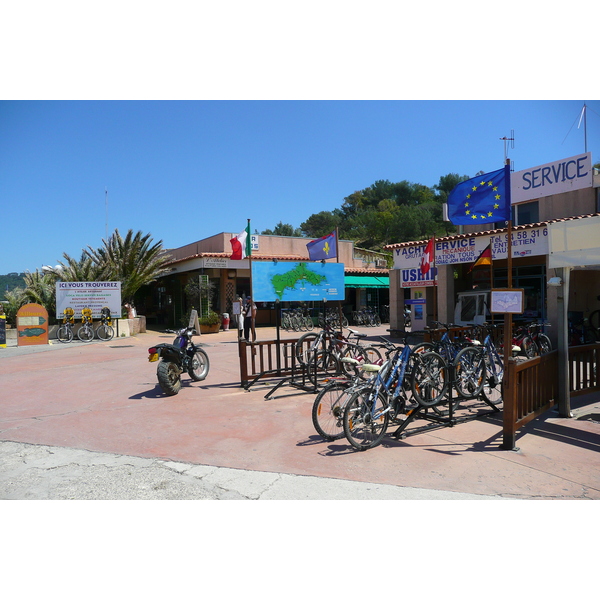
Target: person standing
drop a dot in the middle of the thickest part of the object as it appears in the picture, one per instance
(249, 313)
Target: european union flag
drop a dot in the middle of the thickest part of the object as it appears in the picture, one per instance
(483, 199)
(322, 248)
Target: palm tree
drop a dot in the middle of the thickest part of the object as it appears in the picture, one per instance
(84, 269)
(40, 288)
(133, 260)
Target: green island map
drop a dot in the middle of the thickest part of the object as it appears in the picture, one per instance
(288, 280)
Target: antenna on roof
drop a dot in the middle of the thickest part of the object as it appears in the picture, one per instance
(510, 139)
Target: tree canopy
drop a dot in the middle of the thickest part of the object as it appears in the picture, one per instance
(386, 213)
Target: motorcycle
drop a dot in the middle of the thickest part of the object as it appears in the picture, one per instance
(182, 355)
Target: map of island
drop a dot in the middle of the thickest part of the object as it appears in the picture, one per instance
(289, 279)
(302, 281)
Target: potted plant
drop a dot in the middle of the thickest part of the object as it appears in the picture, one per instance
(211, 323)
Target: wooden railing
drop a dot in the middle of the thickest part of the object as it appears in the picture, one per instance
(584, 369)
(531, 389)
(532, 385)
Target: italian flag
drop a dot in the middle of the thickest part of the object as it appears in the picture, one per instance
(241, 244)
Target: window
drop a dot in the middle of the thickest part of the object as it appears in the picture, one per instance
(525, 213)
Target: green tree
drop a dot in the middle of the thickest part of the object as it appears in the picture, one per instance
(134, 260)
(40, 288)
(284, 229)
(13, 300)
(321, 223)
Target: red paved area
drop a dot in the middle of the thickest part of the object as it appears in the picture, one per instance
(105, 397)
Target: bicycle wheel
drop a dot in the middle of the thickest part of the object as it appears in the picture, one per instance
(85, 333)
(373, 355)
(328, 410)
(327, 365)
(429, 378)
(302, 347)
(198, 365)
(64, 334)
(309, 323)
(105, 332)
(469, 372)
(529, 347)
(544, 343)
(594, 321)
(355, 357)
(366, 418)
(492, 387)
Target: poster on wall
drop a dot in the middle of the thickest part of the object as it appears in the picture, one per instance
(88, 294)
(297, 281)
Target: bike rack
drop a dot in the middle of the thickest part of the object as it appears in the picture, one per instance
(439, 421)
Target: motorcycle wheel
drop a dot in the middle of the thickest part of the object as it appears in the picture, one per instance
(169, 377)
(199, 365)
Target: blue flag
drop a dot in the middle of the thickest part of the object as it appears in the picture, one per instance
(322, 248)
(483, 199)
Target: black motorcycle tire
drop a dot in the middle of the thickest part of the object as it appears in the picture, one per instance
(169, 377)
(202, 365)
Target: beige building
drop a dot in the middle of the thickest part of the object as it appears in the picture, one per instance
(366, 276)
(566, 190)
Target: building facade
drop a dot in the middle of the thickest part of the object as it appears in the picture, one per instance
(565, 190)
(165, 302)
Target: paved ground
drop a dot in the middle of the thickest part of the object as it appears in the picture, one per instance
(88, 421)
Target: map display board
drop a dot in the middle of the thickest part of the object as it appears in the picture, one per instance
(297, 281)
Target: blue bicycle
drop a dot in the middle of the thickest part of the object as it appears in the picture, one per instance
(370, 407)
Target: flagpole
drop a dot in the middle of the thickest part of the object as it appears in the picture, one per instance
(435, 290)
(509, 407)
(491, 278)
(337, 259)
(249, 245)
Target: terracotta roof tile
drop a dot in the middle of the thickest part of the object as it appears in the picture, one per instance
(489, 232)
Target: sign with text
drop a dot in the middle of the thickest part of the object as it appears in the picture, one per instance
(525, 242)
(507, 301)
(297, 281)
(88, 294)
(557, 177)
(32, 325)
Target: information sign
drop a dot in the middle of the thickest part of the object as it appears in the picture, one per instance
(32, 325)
(88, 294)
(297, 281)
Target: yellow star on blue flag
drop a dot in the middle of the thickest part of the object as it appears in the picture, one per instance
(483, 199)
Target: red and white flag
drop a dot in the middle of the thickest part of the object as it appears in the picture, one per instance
(240, 244)
(428, 257)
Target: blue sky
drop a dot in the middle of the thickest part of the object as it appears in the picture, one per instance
(184, 170)
(197, 117)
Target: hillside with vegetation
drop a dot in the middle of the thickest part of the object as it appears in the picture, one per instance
(383, 213)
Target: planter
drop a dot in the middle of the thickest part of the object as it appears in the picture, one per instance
(210, 328)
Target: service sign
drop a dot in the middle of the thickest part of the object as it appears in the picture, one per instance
(557, 177)
(525, 242)
(88, 294)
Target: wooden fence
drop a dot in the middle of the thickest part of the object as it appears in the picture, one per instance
(532, 385)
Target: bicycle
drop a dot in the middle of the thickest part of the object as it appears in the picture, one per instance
(487, 364)
(465, 375)
(326, 349)
(86, 332)
(371, 406)
(540, 339)
(581, 333)
(105, 331)
(329, 404)
(65, 331)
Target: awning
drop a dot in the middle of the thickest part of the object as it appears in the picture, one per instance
(356, 281)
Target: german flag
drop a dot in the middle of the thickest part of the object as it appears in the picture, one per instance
(485, 258)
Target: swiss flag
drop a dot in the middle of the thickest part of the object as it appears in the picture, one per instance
(428, 257)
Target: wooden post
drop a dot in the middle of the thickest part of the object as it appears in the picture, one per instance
(564, 396)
